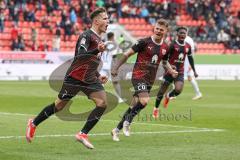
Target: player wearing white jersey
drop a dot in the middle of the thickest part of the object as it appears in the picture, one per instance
(189, 72)
(108, 58)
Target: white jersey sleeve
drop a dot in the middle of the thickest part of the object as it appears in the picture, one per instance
(190, 41)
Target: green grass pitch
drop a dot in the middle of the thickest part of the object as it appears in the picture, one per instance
(208, 59)
(208, 129)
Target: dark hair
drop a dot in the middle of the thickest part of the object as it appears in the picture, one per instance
(181, 27)
(110, 35)
(96, 12)
(163, 22)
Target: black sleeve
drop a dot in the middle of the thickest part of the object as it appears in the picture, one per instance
(83, 45)
(189, 53)
(139, 45)
(191, 61)
(98, 74)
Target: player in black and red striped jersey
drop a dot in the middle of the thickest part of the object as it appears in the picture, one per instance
(83, 76)
(150, 52)
(178, 51)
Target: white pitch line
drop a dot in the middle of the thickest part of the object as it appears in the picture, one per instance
(108, 134)
(109, 120)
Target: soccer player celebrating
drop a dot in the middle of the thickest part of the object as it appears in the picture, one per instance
(177, 53)
(151, 51)
(83, 76)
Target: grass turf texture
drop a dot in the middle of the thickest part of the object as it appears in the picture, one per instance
(218, 109)
(209, 59)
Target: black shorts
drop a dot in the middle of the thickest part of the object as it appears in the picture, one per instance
(71, 87)
(141, 86)
(168, 78)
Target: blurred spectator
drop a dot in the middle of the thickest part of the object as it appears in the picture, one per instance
(212, 31)
(18, 44)
(16, 16)
(64, 18)
(55, 4)
(125, 10)
(219, 14)
(100, 3)
(2, 17)
(222, 36)
(45, 22)
(68, 30)
(67, 2)
(58, 30)
(56, 43)
(21, 44)
(29, 15)
(14, 46)
(44, 46)
(73, 16)
(34, 46)
(201, 32)
(50, 7)
(39, 5)
(34, 35)
(76, 29)
(234, 42)
(144, 12)
(86, 21)
(14, 32)
(11, 8)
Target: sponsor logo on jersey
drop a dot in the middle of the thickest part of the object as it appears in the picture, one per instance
(154, 59)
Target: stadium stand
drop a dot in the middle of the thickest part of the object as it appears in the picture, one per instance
(34, 25)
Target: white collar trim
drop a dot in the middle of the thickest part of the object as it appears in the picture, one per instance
(180, 43)
(156, 42)
(95, 32)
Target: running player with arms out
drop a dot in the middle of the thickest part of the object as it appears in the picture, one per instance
(150, 51)
(83, 76)
(177, 53)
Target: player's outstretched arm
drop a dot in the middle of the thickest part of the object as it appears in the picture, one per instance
(122, 60)
(169, 68)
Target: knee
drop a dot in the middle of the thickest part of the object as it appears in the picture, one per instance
(178, 91)
(101, 103)
(60, 104)
(189, 78)
(144, 100)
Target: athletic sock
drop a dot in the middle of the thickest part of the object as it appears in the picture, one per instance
(44, 114)
(195, 86)
(158, 101)
(135, 110)
(93, 118)
(120, 124)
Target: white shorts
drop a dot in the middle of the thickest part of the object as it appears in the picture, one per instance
(105, 72)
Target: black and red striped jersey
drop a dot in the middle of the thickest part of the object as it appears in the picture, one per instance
(84, 66)
(149, 56)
